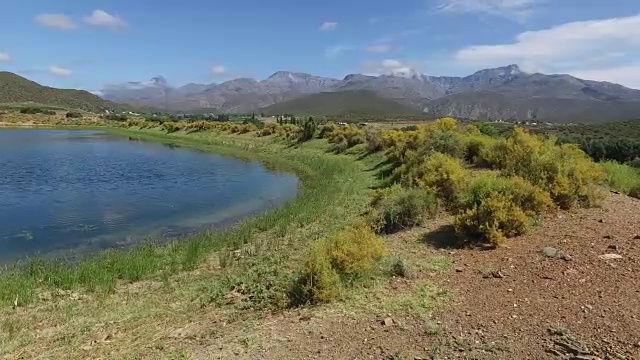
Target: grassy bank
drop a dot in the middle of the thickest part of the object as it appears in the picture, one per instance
(333, 193)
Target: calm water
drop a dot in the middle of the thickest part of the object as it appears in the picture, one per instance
(68, 192)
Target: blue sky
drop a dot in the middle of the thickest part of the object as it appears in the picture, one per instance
(90, 44)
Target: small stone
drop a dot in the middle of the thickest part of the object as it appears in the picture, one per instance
(614, 247)
(607, 237)
(600, 221)
(636, 237)
(498, 274)
(459, 270)
(563, 255)
(387, 321)
(549, 251)
(510, 290)
(610, 257)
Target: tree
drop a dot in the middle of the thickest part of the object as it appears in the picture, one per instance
(309, 129)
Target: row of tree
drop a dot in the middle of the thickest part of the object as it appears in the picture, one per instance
(621, 150)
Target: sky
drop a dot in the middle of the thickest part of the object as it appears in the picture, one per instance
(92, 45)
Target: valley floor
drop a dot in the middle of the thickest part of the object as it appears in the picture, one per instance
(515, 302)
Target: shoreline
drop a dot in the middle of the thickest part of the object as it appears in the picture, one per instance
(309, 163)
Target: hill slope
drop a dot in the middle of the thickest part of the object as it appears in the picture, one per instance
(492, 105)
(16, 89)
(360, 102)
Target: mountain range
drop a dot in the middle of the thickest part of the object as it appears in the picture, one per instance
(504, 93)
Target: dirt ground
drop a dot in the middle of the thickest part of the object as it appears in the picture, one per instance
(547, 295)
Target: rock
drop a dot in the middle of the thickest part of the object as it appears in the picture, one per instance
(459, 270)
(607, 237)
(549, 251)
(498, 274)
(610, 257)
(637, 237)
(600, 221)
(613, 247)
(563, 255)
(388, 321)
(555, 253)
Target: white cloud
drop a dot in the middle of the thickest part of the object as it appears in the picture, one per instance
(628, 75)
(391, 63)
(218, 70)
(59, 21)
(59, 71)
(380, 48)
(518, 9)
(562, 46)
(336, 50)
(4, 57)
(103, 18)
(406, 68)
(97, 92)
(328, 26)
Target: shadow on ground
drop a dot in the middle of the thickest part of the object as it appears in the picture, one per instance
(445, 237)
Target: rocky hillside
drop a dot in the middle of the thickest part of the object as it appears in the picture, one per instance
(352, 102)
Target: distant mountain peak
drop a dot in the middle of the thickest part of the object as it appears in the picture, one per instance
(406, 73)
(352, 77)
(159, 81)
(509, 70)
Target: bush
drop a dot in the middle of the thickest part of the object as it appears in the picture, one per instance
(309, 129)
(337, 262)
(35, 110)
(565, 171)
(623, 178)
(73, 115)
(441, 173)
(395, 208)
(494, 208)
(327, 129)
(400, 268)
(635, 163)
(116, 117)
(345, 137)
(319, 282)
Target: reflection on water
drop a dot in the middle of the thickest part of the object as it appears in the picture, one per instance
(83, 191)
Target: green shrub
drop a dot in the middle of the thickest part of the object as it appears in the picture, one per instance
(345, 137)
(319, 281)
(494, 208)
(565, 171)
(623, 178)
(447, 142)
(116, 117)
(400, 268)
(395, 208)
(337, 262)
(355, 252)
(73, 115)
(309, 129)
(441, 173)
(635, 163)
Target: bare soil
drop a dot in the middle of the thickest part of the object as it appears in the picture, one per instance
(514, 302)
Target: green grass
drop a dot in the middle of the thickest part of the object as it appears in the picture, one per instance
(334, 193)
(623, 178)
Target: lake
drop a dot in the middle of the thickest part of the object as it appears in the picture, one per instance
(68, 192)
